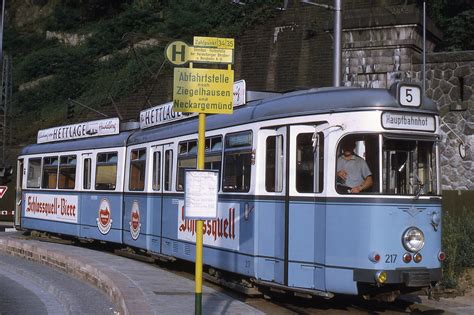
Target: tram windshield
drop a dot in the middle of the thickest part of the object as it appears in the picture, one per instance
(408, 165)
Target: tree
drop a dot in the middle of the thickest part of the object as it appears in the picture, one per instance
(455, 18)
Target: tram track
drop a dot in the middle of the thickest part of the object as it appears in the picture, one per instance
(268, 301)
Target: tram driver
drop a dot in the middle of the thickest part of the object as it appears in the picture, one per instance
(352, 172)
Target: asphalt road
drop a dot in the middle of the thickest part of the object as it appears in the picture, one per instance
(27, 287)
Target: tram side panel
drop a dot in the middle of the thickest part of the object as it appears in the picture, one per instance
(307, 245)
(102, 205)
(54, 212)
(153, 223)
(139, 220)
(269, 240)
(102, 216)
(228, 240)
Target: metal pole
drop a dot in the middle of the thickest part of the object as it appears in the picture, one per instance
(424, 49)
(4, 107)
(199, 223)
(4, 85)
(1, 30)
(337, 44)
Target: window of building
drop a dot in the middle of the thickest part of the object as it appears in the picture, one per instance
(33, 179)
(237, 162)
(106, 171)
(274, 164)
(50, 172)
(137, 169)
(156, 180)
(87, 180)
(67, 172)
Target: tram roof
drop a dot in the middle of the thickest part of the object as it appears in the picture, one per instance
(306, 102)
(79, 144)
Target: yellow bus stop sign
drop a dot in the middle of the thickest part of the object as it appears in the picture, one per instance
(207, 91)
(177, 52)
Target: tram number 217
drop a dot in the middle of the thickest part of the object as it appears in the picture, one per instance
(390, 258)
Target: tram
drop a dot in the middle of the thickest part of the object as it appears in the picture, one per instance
(282, 220)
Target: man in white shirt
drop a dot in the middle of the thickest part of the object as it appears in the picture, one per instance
(353, 173)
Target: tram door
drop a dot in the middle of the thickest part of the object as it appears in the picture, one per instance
(161, 176)
(272, 171)
(86, 209)
(305, 212)
(19, 183)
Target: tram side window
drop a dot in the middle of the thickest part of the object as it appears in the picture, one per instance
(187, 159)
(274, 164)
(357, 164)
(137, 170)
(237, 162)
(50, 172)
(87, 174)
(310, 162)
(67, 172)
(213, 160)
(106, 171)
(167, 180)
(156, 182)
(33, 179)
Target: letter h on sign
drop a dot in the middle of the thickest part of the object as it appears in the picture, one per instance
(181, 52)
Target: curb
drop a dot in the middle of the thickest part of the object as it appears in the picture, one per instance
(82, 268)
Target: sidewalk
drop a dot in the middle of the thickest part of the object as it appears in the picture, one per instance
(135, 287)
(140, 288)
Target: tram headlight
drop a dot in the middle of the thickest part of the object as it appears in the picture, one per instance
(413, 239)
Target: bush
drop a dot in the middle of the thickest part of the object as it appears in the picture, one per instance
(185, 18)
(458, 244)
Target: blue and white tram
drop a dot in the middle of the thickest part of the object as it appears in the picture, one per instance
(282, 221)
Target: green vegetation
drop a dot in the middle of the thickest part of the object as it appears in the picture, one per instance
(455, 18)
(112, 28)
(458, 244)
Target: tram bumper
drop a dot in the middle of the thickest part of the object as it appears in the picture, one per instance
(420, 277)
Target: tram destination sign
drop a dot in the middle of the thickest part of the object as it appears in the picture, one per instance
(96, 128)
(208, 91)
(408, 121)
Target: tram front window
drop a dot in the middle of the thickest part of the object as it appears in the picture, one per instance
(409, 167)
